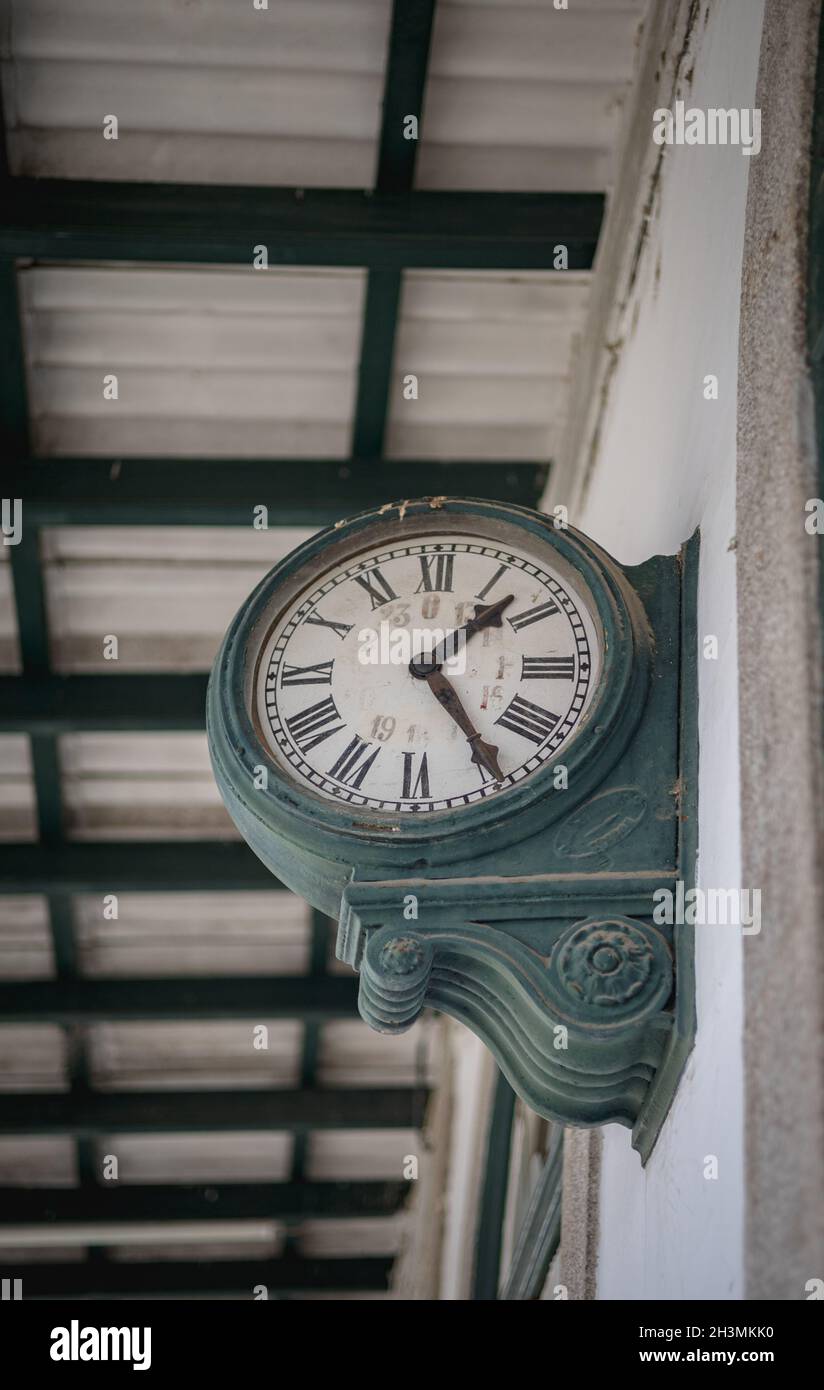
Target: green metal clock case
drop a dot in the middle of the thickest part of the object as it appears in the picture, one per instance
(527, 916)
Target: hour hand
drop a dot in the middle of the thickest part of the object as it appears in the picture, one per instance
(485, 755)
(486, 615)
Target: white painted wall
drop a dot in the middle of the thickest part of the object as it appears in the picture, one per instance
(666, 464)
(473, 1077)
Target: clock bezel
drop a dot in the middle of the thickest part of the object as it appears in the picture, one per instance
(349, 833)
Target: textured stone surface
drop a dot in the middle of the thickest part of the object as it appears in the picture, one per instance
(579, 1213)
(780, 655)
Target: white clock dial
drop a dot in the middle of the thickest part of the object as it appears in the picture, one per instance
(342, 713)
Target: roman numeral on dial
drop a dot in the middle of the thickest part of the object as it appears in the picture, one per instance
(530, 721)
(340, 629)
(349, 768)
(543, 668)
(436, 573)
(502, 569)
(321, 674)
(380, 591)
(420, 787)
(315, 723)
(533, 615)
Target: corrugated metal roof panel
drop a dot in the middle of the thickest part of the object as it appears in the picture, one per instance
(192, 934)
(25, 939)
(349, 1054)
(206, 364)
(18, 814)
(9, 647)
(368, 1236)
(33, 1057)
(492, 355)
(141, 787)
(195, 1158)
(519, 95)
(209, 92)
(218, 1240)
(228, 363)
(187, 1056)
(525, 96)
(167, 593)
(38, 1161)
(364, 1154)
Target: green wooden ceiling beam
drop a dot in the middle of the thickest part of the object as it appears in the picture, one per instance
(407, 61)
(102, 704)
(14, 416)
(380, 317)
(91, 1113)
(223, 492)
(492, 1209)
(30, 600)
(73, 219)
(133, 867)
(403, 94)
(106, 1279)
(279, 1201)
(83, 1000)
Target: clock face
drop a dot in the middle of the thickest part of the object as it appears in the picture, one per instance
(427, 674)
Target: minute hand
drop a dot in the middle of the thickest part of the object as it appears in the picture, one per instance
(453, 643)
(484, 754)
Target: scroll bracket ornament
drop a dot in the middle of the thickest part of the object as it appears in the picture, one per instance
(578, 1026)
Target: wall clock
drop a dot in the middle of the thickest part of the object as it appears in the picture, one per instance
(414, 706)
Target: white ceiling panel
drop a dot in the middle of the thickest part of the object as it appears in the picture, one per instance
(141, 787)
(170, 1240)
(176, 934)
(351, 1055)
(188, 1056)
(38, 1161)
(366, 1154)
(167, 593)
(25, 939)
(32, 1057)
(197, 1158)
(212, 1240)
(9, 649)
(208, 362)
(368, 1236)
(18, 815)
(205, 91)
(492, 354)
(524, 96)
